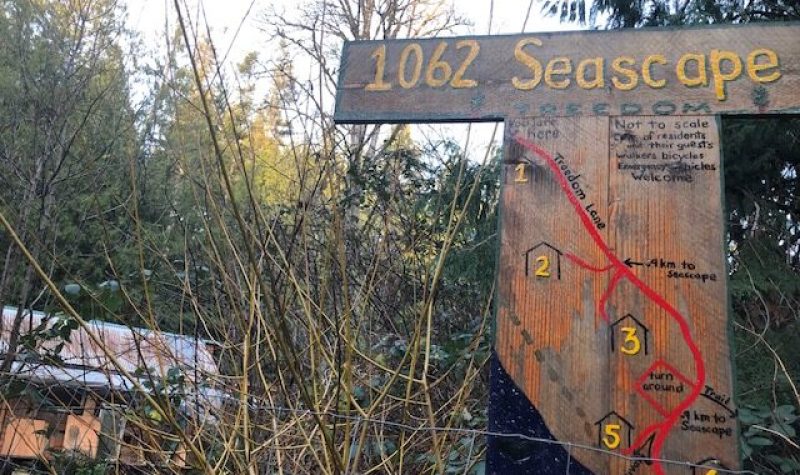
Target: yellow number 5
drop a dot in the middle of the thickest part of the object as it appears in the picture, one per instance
(631, 345)
(611, 438)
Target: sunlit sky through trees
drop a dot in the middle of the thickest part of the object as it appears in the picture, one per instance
(237, 28)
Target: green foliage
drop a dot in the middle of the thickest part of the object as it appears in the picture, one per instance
(169, 391)
(769, 438)
(761, 163)
(636, 13)
(76, 463)
(103, 301)
(68, 132)
(471, 264)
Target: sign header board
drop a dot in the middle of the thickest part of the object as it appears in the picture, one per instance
(739, 69)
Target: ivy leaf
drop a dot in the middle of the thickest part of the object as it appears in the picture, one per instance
(759, 441)
(747, 450)
(789, 466)
(748, 417)
(389, 447)
(784, 429)
(153, 415)
(72, 289)
(785, 413)
(479, 468)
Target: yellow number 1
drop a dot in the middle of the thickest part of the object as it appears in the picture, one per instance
(631, 345)
(520, 176)
(379, 84)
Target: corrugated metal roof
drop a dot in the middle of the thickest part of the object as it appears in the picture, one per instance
(133, 348)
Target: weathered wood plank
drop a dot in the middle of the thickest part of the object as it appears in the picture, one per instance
(736, 69)
(612, 287)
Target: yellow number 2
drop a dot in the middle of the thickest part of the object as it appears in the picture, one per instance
(543, 269)
(611, 437)
(458, 81)
(631, 345)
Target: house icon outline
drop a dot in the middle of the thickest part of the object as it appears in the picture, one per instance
(628, 426)
(551, 247)
(638, 323)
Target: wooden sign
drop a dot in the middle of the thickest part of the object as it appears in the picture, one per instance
(612, 292)
(712, 70)
(611, 351)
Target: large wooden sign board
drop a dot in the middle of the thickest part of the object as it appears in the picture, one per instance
(611, 322)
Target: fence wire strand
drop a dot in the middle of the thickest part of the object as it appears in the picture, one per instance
(568, 446)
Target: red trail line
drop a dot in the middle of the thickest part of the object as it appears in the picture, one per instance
(609, 290)
(663, 428)
(577, 260)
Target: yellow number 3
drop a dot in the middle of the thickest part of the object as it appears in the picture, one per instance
(611, 438)
(631, 345)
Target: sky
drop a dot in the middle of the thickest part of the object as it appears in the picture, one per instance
(235, 30)
(226, 16)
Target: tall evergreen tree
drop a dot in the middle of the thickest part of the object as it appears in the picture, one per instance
(66, 137)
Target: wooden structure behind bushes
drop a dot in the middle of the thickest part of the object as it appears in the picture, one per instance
(79, 405)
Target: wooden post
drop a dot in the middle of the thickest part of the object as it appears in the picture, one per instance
(612, 299)
(611, 351)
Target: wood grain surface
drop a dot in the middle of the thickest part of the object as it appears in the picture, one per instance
(624, 331)
(736, 69)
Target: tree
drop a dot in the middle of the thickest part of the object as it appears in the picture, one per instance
(636, 13)
(366, 173)
(68, 128)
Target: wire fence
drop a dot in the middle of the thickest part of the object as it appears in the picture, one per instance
(568, 446)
